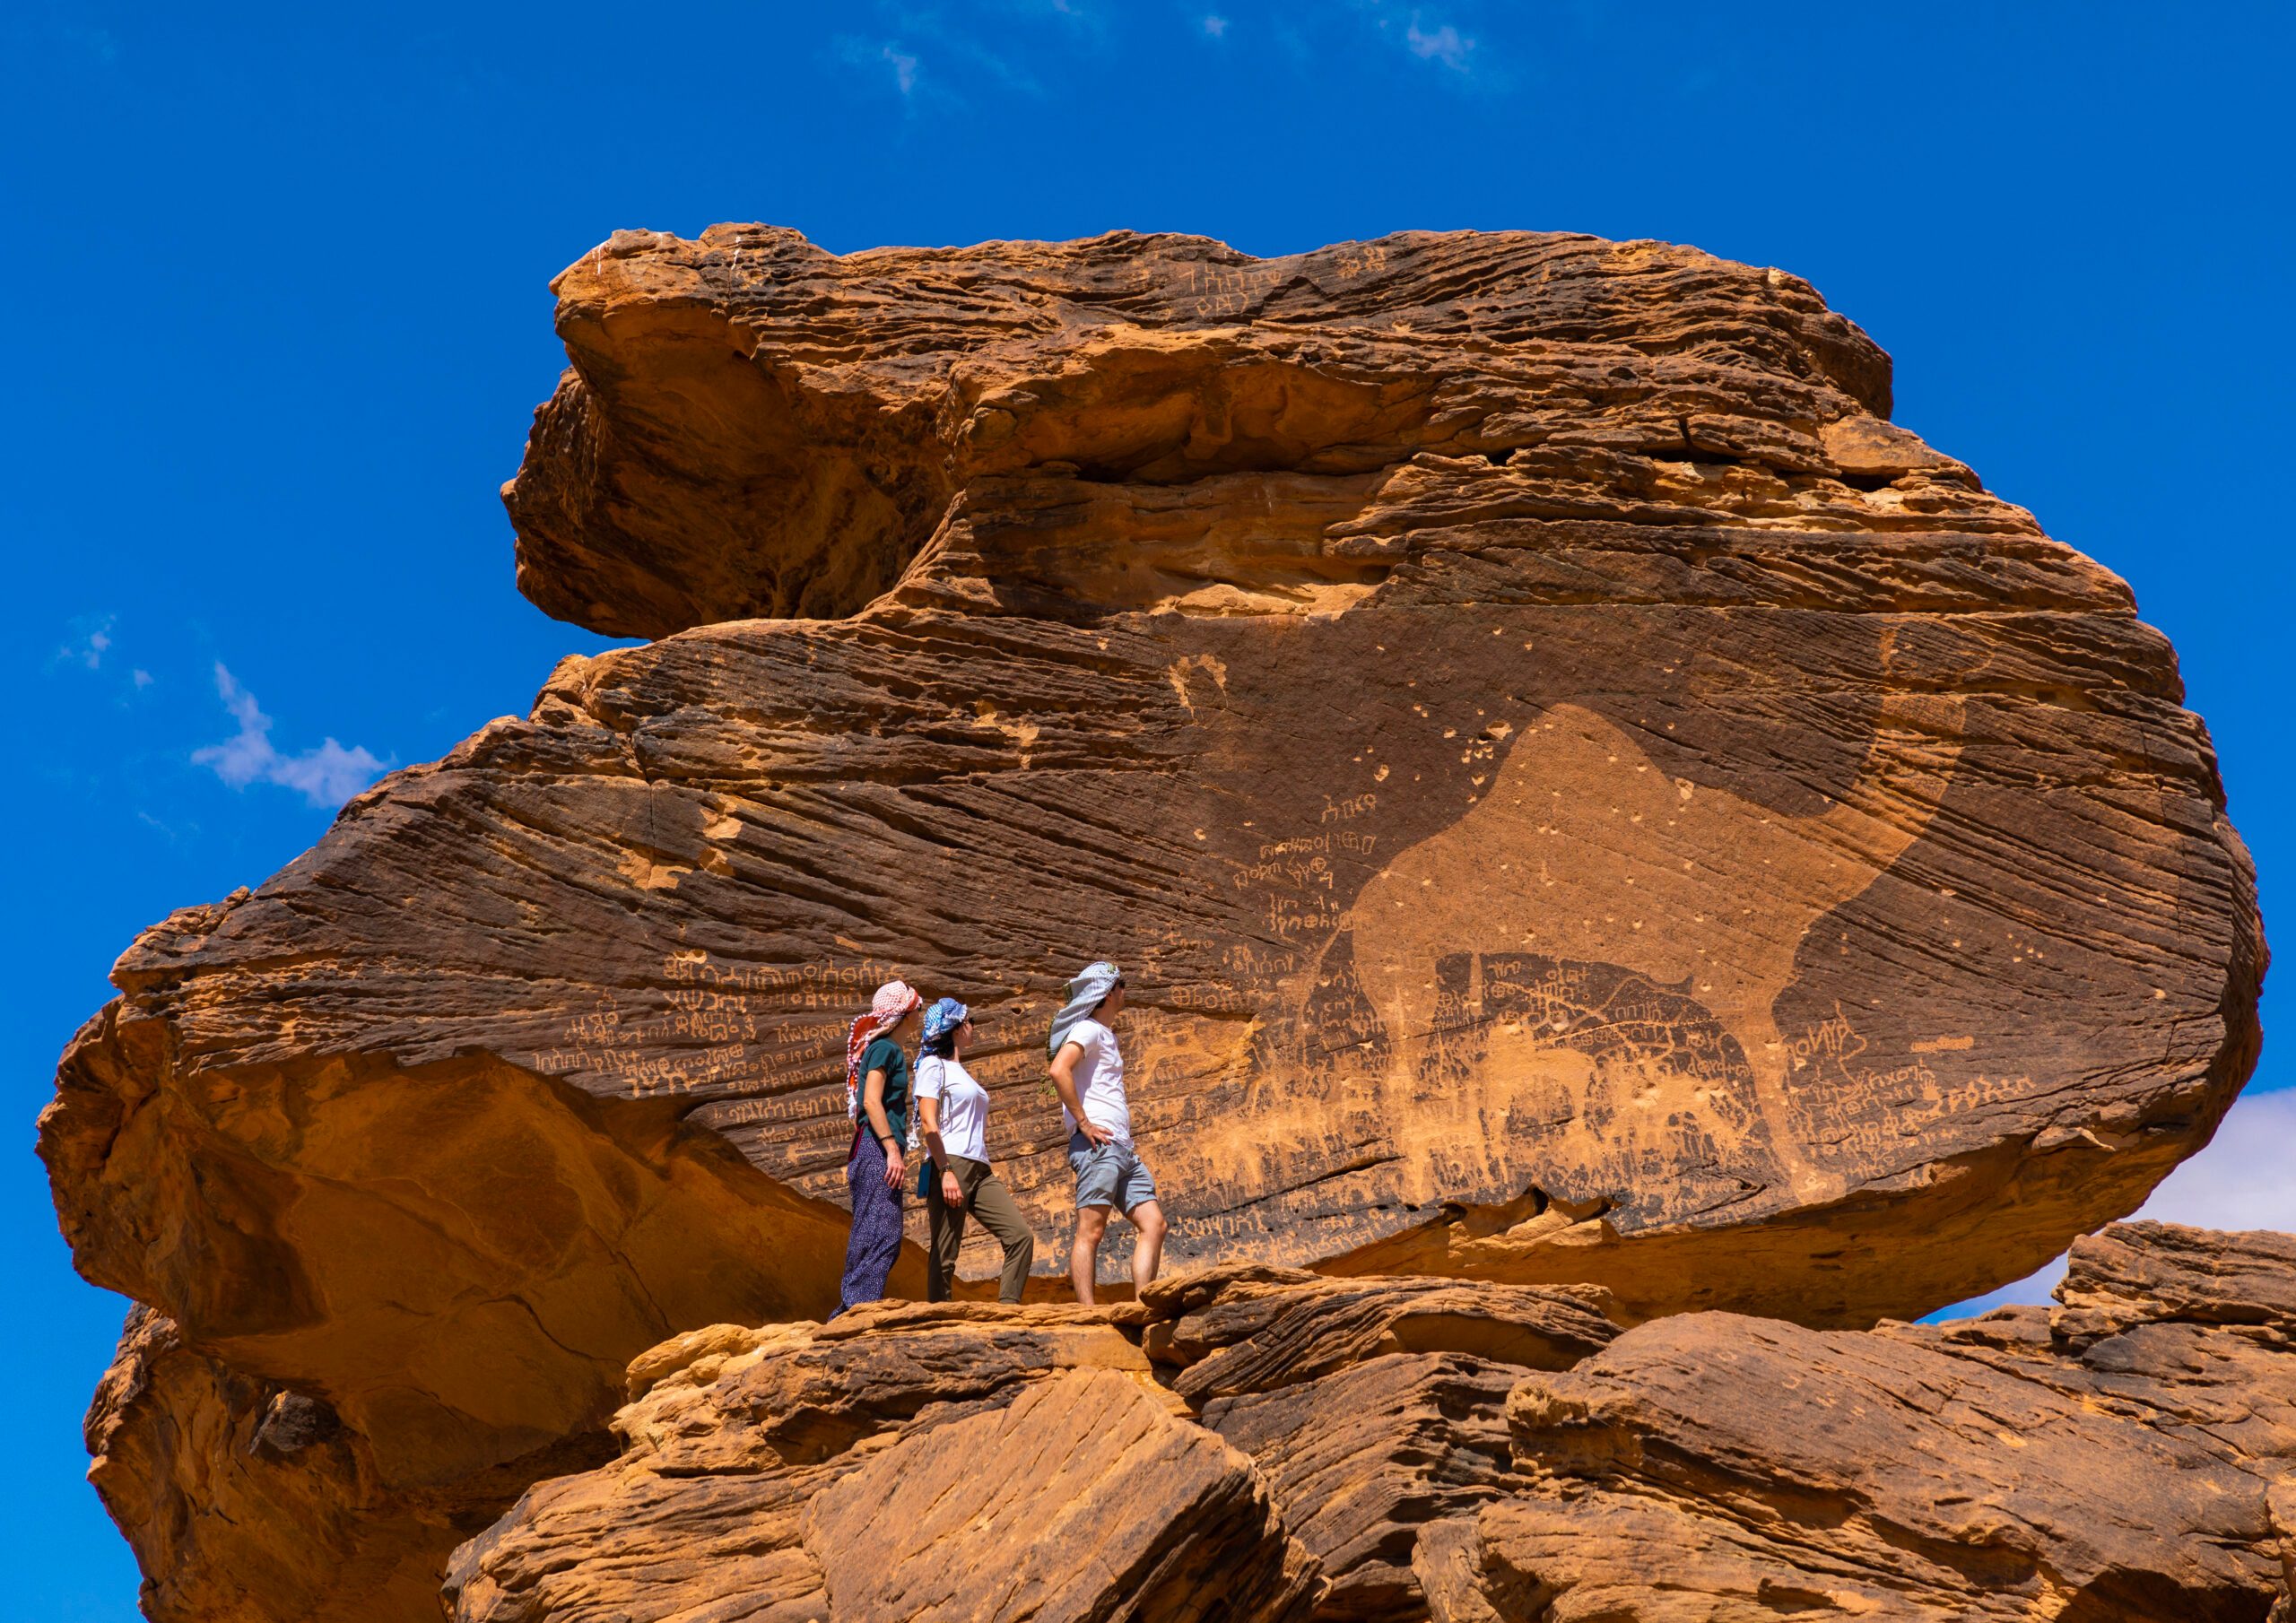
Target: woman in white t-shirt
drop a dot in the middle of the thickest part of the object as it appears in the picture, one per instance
(957, 1176)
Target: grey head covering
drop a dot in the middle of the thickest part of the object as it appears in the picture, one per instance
(1084, 995)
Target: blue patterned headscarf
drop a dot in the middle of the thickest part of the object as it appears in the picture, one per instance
(1084, 995)
(945, 1016)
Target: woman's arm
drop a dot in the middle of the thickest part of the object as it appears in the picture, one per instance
(873, 1102)
(952, 1193)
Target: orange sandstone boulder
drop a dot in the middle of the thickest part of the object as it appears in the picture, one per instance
(228, 1488)
(2024, 1465)
(1579, 795)
(899, 1464)
(1000, 1464)
(972, 1460)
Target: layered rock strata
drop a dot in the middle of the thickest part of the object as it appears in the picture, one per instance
(2131, 1456)
(247, 1501)
(1580, 795)
(973, 1460)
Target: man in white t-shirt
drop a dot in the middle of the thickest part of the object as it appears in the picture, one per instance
(1088, 1073)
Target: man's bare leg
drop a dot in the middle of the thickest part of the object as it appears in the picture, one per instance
(1084, 1254)
(1148, 1250)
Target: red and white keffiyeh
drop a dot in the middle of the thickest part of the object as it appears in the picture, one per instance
(888, 1009)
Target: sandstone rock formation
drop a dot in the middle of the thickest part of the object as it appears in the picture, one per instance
(246, 1501)
(904, 1462)
(969, 1461)
(1581, 797)
(2131, 1456)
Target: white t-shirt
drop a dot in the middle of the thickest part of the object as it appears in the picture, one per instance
(1100, 1082)
(964, 1106)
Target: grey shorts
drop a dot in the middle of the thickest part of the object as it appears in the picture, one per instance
(1108, 1175)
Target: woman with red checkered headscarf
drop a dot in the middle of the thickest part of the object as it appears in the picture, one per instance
(876, 1096)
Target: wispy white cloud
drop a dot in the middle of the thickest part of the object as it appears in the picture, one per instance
(1216, 27)
(941, 58)
(1445, 45)
(1091, 21)
(1426, 38)
(880, 58)
(904, 66)
(88, 642)
(142, 678)
(2240, 1181)
(326, 776)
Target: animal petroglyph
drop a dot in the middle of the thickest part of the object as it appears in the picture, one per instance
(1584, 850)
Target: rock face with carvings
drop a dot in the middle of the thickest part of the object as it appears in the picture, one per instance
(1580, 798)
(1406, 1450)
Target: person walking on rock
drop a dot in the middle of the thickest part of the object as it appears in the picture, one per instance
(957, 1178)
(876, 1096)
(1088, 1073)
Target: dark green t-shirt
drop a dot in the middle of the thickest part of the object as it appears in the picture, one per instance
(884, 1055)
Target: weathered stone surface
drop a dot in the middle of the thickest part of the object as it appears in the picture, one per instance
(969, 1459)
(1085, 1498)
(2136, 1273)
(1705, 1466)
(903, 1462)
(753, 426)
(1717, 1467)
(1581, 798)
(226, 1486)
(1253, 1330)
(455, 1263)
(1361, 1461)
(246, 1501)
(1373, 1406)
(1656, 797)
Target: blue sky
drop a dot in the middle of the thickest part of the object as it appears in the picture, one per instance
(279, 315)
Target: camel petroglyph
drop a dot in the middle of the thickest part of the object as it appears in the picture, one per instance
(1584, 849)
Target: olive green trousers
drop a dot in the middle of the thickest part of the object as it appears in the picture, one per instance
(988, 1199)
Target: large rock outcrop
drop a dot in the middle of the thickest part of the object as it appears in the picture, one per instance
(246, 1501)
(1581, 796)
(2130, 1457)
(972, 1460)
(901, 1464)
